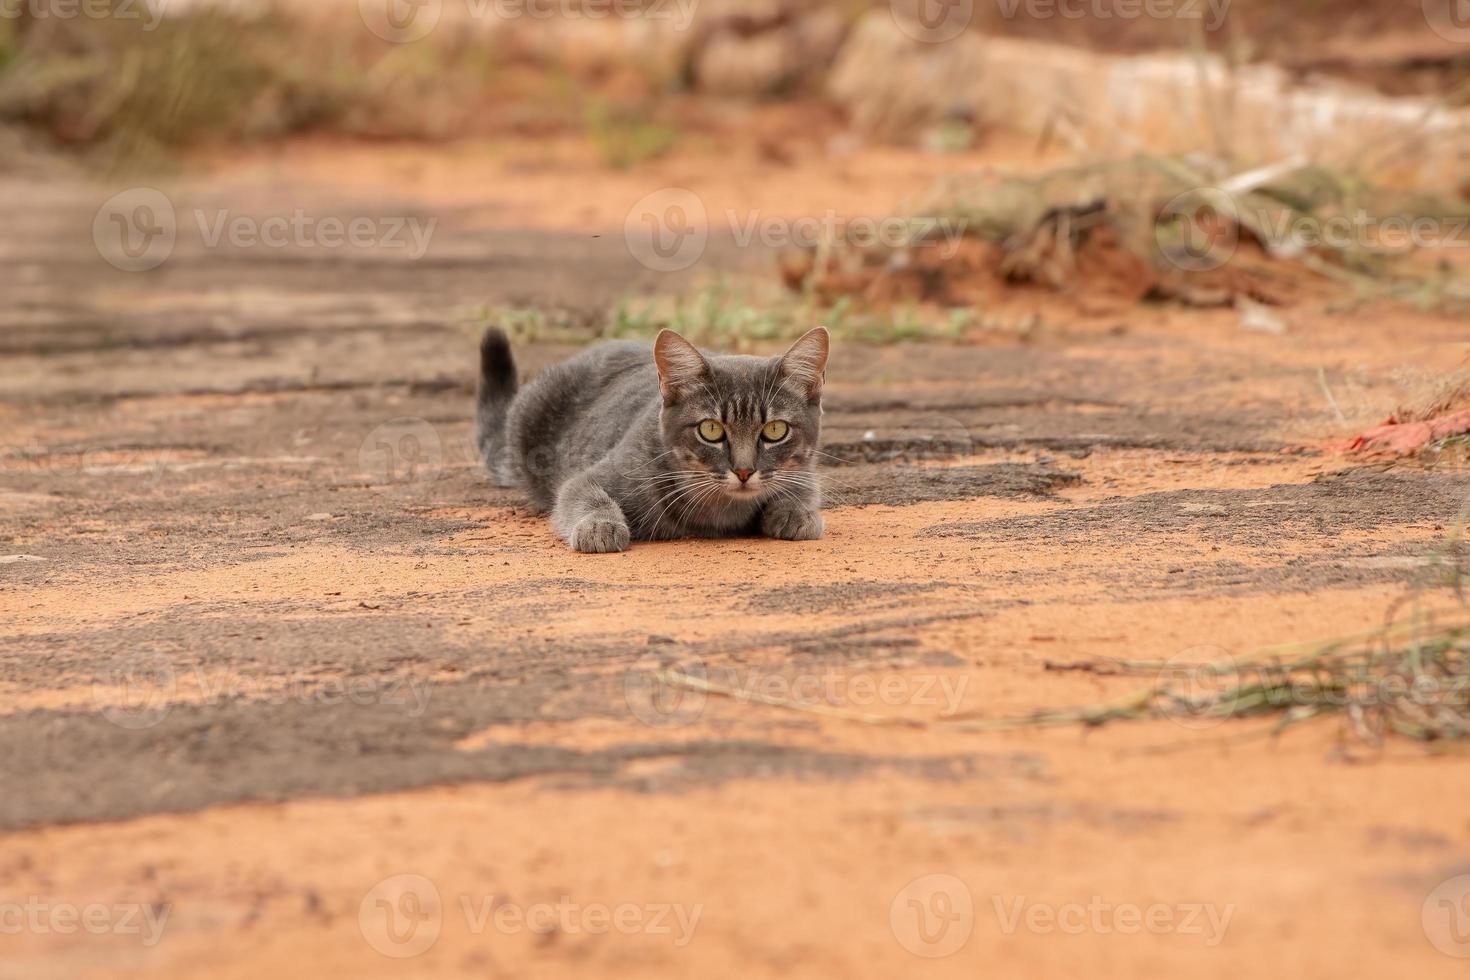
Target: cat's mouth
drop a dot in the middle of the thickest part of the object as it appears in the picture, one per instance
(736, 487)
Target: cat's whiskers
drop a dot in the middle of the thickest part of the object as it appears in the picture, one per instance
(667, 478)
(667, 489)
(696, 501)
(780, 492)
(672, 498)
(671, 477)
(648, 463)
(829, 496)
(799, 481)
(787, 494)
(804, 484)
(664, 498)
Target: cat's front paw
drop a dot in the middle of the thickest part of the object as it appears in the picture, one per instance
(792, 525)
(595, 536)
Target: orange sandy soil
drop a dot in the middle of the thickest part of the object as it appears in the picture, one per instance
(199, 473)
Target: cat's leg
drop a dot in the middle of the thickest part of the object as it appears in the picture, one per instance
(793, 518)
(587, 518)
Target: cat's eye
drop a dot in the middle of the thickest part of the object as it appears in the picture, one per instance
(775, 431)
(710, 430)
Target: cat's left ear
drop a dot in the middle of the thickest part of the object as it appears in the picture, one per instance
(806, 362)
(680, 365)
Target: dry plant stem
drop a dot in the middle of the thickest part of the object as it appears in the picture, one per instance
(675, 678)
(1335, 669)
(1322, 382)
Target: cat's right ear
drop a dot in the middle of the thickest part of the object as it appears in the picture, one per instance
(680, 366)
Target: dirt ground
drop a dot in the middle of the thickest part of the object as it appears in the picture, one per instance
(286, 677)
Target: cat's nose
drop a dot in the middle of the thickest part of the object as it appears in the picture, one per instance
(744, 474)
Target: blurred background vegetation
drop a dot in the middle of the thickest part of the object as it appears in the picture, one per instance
(109, 95)
(120, 95)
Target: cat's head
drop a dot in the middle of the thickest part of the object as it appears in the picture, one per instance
(747, 426)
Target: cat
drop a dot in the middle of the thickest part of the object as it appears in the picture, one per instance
(625, 442)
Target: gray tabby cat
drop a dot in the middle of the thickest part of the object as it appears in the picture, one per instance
(621, 443)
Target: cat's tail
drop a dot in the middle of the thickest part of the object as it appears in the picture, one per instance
(497, 388)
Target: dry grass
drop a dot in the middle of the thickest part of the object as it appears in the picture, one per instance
(1169, 228)
(1409, 678)
(125, 98)
(120, 93)
(1265, 205)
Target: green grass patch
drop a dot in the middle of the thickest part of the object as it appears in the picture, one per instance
(627, 136)
(727, 315)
